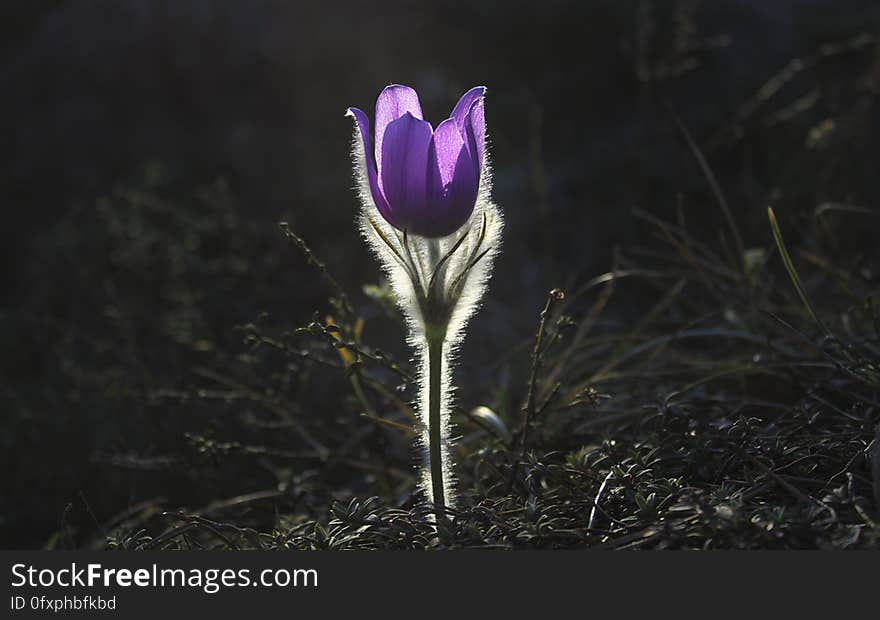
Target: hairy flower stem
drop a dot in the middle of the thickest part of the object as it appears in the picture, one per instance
(435, 437)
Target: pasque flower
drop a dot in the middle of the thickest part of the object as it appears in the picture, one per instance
(428, 215)
(424, 180)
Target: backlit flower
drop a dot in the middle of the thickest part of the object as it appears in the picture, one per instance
(428, 215)
(424, 180)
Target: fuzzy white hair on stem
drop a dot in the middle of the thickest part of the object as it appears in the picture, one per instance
(437, 282)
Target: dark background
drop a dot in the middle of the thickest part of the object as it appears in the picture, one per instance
(151, 147)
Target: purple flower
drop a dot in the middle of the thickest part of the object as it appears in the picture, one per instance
(424, 180)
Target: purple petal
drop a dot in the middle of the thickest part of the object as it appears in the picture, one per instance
(452, 182)
(475, 129)
(446, 148)
(363, 123)
(404, 167)
(393, 102)
(463, 107)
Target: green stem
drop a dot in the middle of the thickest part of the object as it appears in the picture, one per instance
(435, 439)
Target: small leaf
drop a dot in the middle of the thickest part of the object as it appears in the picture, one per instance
(792, 272)
(491, 419)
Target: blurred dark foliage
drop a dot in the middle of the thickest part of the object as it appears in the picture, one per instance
(167, 348)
